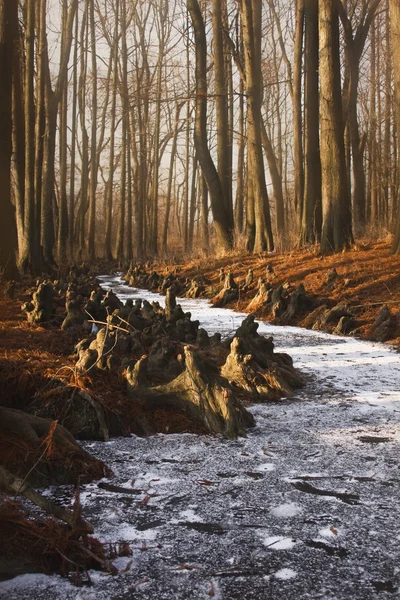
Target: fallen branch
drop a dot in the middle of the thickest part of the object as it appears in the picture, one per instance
(16, 485)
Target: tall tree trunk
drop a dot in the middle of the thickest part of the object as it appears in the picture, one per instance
(8, 234)
(224, 236)
(239, 203)
(251, 20)
(297, 109)
(29, 255)
(52, 98)
(276, 179)
(93, 139)
(221, 103)
(153, 237)
(62, 236)
(312, 208)
(18, 132)
(129, 196)
(204, 215)
(354, 44)
(336, 225)
(74, 121)
(170, 178)
(395, 31)
(373, 135)
(111, 158)
(193, 198)
(120, 242)
(85, 138)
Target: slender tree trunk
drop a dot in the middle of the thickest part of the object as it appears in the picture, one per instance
(276, 179)
(395, 31)
(111, 166)
(120, 242)
(170, 178)
(221, 103)
(297, 109)
(312, 207)
(62, 236)
(84, 134)
(29, 255)
(193, 198)
(373, 135)
(93, 139)
(18, 132)
(153, 238)
(239, 203)
(129, 198)
(204, 215)
(74, 121)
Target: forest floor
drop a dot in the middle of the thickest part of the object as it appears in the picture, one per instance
(368, 278)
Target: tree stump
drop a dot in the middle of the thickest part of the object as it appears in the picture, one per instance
(262, 298)
(299, 302)
(229, 292)
(242, 370)
(75, 315)
(40, 310)
(201, 394)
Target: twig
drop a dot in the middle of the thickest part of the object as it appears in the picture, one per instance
(108, 325)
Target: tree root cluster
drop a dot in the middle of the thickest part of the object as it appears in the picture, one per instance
(31, 543)
(282, 304)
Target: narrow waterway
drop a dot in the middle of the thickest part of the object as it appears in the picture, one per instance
(307, 506)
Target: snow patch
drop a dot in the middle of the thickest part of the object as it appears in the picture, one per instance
(266, 467)
(277, 542)
(285, 574)
(289, 509)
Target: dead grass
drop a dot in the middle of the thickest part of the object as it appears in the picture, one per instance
(369, 275)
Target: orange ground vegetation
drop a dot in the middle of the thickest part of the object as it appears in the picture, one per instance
(31, 356)
(369, 276)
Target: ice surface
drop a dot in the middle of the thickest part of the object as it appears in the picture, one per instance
(258, 537)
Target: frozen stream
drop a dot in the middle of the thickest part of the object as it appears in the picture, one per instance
(211, 518)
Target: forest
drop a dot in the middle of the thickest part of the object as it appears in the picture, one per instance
(135, 130)
(199, 317)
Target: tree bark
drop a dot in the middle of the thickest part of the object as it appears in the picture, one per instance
(336, 225)
(8, 234)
